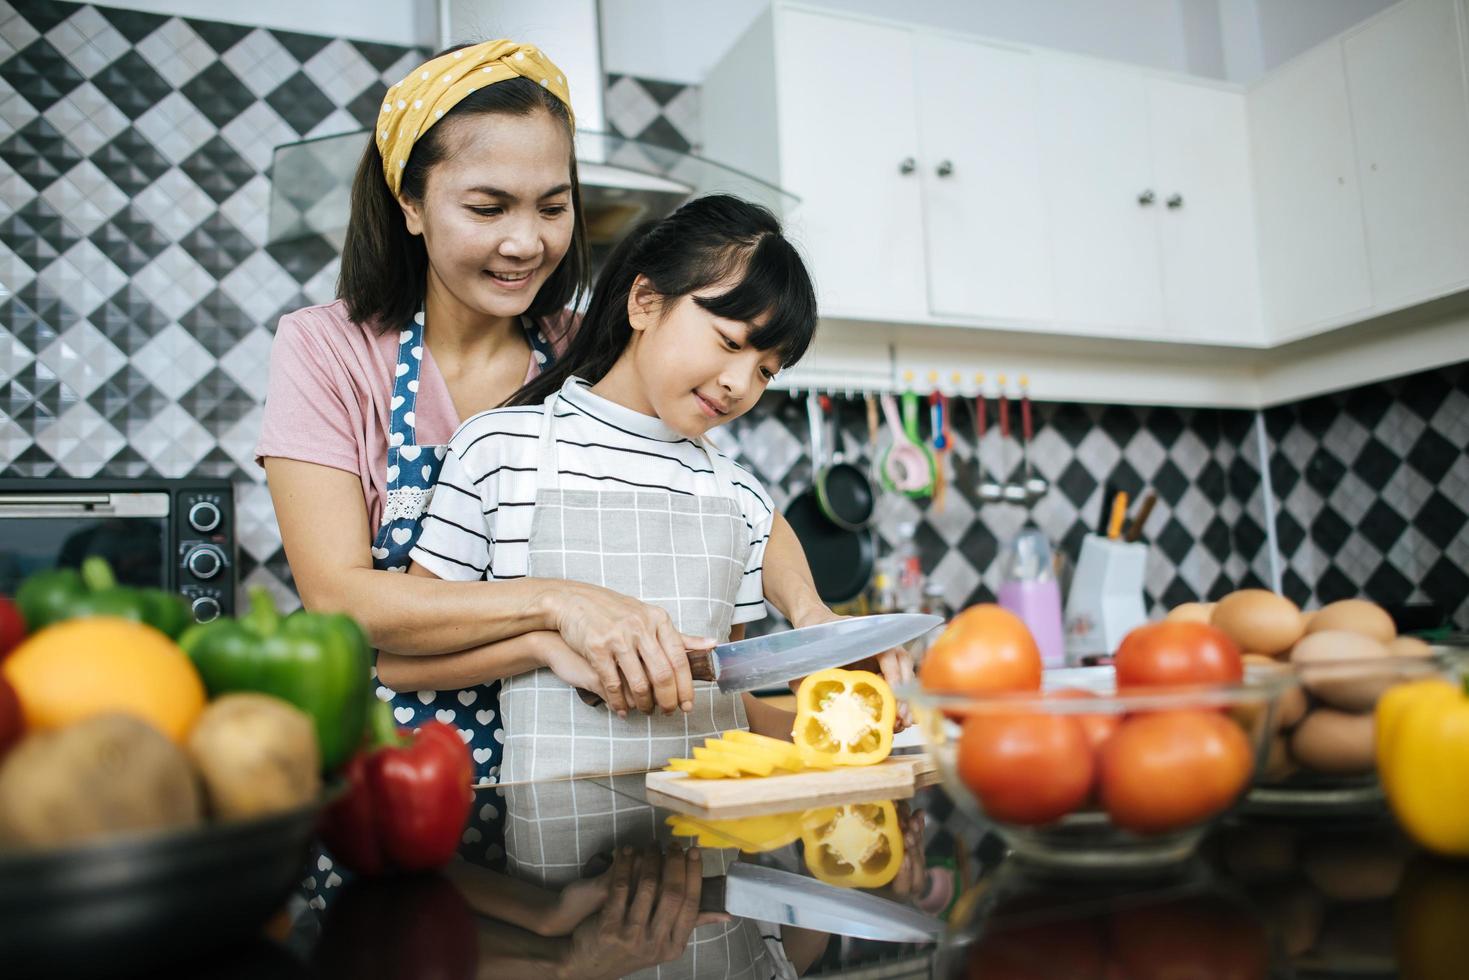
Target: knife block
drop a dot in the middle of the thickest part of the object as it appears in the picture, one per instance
(1106, 599)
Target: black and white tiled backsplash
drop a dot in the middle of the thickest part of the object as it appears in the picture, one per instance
(140, 295)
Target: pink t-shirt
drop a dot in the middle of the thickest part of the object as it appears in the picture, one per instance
(331, 384)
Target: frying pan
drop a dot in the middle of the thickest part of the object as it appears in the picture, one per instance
(135, 903)
(841, 559)
(843, 489)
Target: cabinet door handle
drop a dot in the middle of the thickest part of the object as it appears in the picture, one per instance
(907, 166)
(945, 168)
(1175, 201)
(1146, 198)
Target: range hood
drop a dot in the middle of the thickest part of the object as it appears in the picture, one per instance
(623, 181)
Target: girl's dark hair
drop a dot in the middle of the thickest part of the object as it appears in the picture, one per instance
(709, 240)
(385, 269)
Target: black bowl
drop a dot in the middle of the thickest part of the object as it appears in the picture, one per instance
(128, 904)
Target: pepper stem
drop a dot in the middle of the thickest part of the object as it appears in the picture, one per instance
(263, 618)
(97, 574)
(383, 728)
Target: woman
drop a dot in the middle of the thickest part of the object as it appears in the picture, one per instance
(465, 246)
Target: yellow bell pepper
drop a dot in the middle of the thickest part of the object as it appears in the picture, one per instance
(753, 835)
(845, 717)
(1423, 761)
(858, 845)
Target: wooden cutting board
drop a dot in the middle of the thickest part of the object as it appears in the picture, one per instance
(894, 778)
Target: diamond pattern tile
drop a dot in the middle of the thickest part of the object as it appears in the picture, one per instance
(177, 52)
(174, 282)
(84, 276)
(85, 196)
(175, 203)
(81, 440)
(132, 84)
(129, 239)
(175, 128)
(40, 74)
(39, 152)
(86, 118)
(173, 362)
(38, 233)
(217, 245)
(172, 442)
(87, 41)
(300, 102)
(130, 161)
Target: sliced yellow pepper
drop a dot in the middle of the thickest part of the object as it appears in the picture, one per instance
(749, 764)
(858, 845)
(844, 717)
(754, 755)
(705, 768)
(1423, 761)
(752, 835)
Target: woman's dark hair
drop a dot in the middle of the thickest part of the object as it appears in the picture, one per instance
(385, 269)
(710, 240)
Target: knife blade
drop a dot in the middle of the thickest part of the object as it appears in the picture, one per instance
(746, 665)
(752, 891)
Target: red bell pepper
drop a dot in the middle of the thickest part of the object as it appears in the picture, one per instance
(12, 626)
(11, 722)
(407, 802)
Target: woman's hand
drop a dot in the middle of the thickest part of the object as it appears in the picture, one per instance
(640, 660)
(650, 912)
(895, 665)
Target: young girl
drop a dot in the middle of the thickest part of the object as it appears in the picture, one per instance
(600, 473)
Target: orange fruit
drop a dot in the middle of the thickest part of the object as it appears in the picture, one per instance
(93, 666)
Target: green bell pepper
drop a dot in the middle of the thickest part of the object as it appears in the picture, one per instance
(320, 662)
(59, 594)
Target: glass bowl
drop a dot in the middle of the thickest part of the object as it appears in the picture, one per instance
(1319, 758)
(1152, 772)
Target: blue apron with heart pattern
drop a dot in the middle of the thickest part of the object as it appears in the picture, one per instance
(412, 471)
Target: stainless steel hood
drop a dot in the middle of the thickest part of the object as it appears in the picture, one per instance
(623, 181)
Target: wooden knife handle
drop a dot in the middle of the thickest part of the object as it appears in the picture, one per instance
(701, 668)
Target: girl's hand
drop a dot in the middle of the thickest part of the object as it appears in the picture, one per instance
(640, 660)
(895, 665)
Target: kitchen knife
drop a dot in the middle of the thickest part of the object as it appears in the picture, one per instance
(747, 665)
(752, 891)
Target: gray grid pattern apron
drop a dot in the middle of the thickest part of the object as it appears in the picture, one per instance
(685, 553)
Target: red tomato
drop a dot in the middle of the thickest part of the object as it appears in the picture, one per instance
(12, 627)
(1198, 936)
(1098, 727)
(1170, 769)
(985, 650)
(1175, 653)
(1075, 948)
(1026, 768)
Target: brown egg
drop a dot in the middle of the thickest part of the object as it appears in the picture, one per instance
(1290, 708)
(1279, 766)
(1258, 620)
(1346, 670)
(1192, 612)
(1334, 742)
(1355, 616)
(1409, 646)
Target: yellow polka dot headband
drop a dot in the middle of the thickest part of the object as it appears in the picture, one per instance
(433, 88)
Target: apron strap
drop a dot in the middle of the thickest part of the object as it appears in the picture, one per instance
(402, 411)
(548, 477)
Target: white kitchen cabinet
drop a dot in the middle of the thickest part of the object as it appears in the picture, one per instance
(1205, 213)
(1410, 119)
(985, 203)
(1308, 205)
(1097, 174)
(849, 149)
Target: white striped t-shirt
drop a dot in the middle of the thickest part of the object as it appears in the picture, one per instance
(478, 523)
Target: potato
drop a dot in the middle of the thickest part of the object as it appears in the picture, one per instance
(1346, 670)
(1259, 620)
(105, 775)
(256, 754)
(1355, 616)
(1335, 742)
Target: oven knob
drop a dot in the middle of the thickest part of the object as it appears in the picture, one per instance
(204, 517)
(206, 609)
(204, 561)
